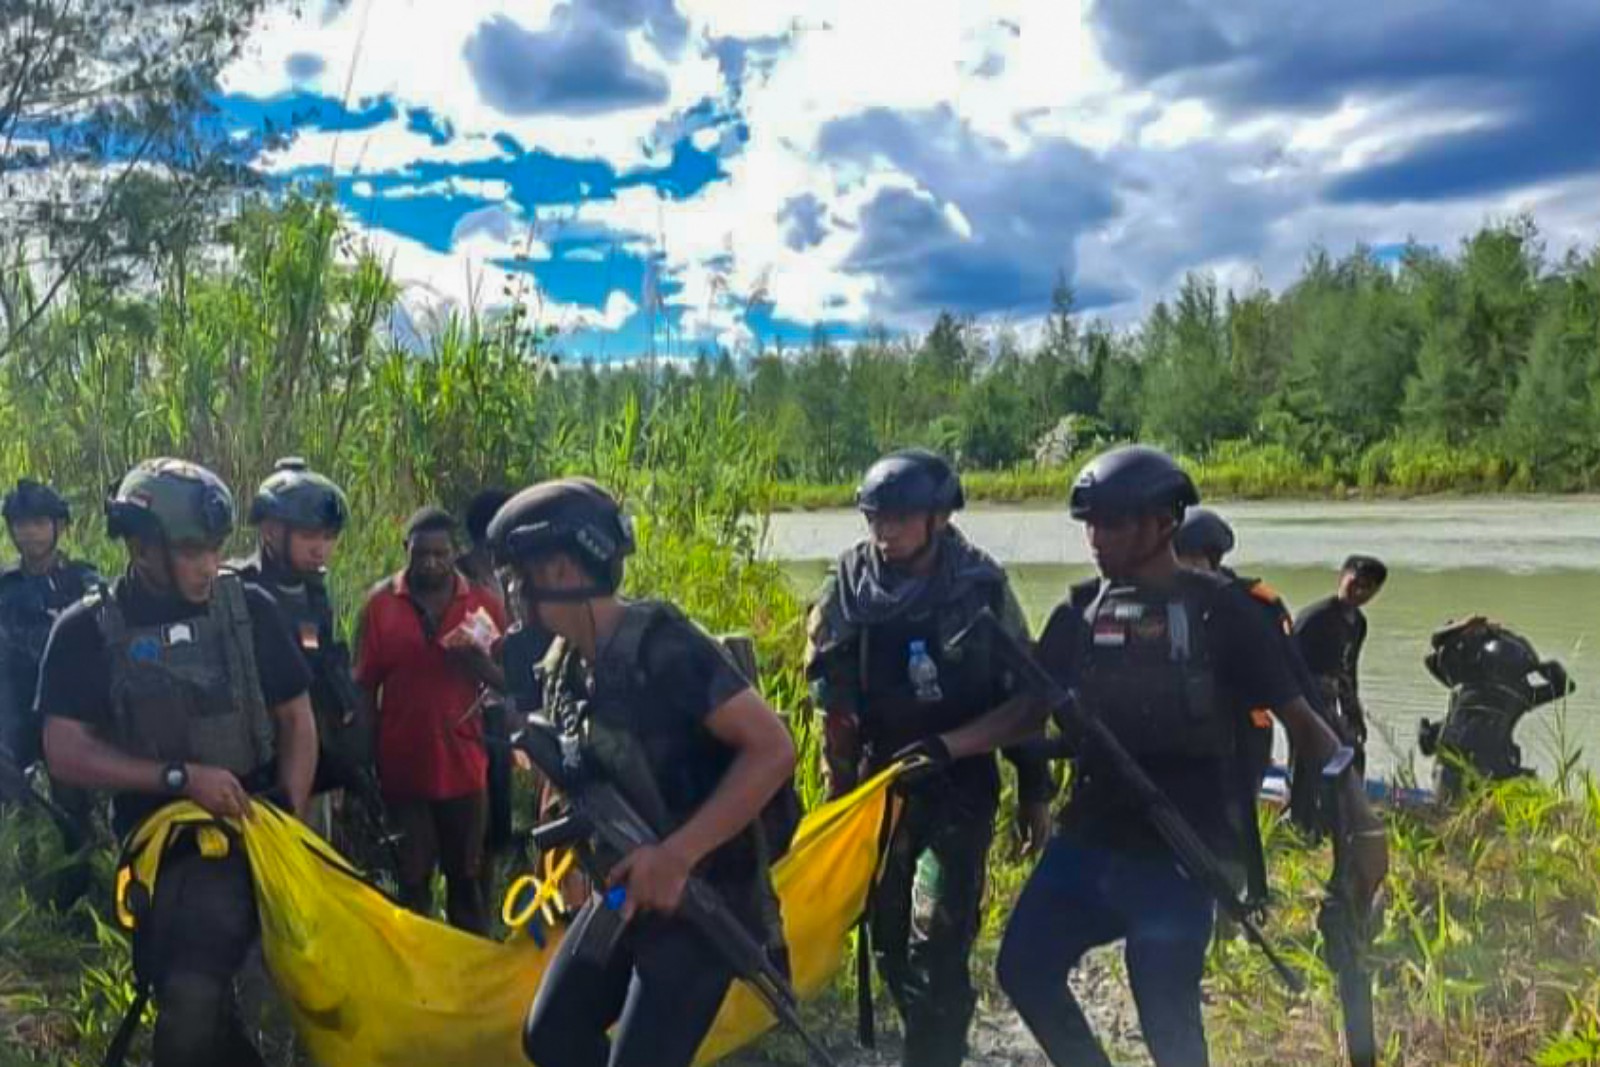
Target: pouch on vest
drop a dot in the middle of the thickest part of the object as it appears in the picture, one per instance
(189, 691)
(1149, 675)
(622, 683)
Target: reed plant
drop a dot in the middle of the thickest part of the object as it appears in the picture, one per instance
(283, 345)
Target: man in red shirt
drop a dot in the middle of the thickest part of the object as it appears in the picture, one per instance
(428, 647)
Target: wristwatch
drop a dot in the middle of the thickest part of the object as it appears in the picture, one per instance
(175, 778)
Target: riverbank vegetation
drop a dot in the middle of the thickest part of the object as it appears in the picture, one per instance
(1488, 949)
(1408, 370)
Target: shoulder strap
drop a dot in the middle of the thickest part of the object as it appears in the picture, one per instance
(1086, 594)
(108, 615)
(232, 610)
(628, 640)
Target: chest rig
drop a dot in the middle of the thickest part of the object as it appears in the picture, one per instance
(190, 690)
(1149, 671)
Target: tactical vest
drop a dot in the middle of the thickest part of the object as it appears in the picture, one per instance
(189, 691)
(611, 727)
(1148, 670)
(29, 604)
(970, 679)
(1149, 673)
(345, 739)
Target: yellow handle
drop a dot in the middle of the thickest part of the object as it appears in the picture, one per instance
(545, 891)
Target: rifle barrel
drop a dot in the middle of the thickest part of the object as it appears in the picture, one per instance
(1192, 854)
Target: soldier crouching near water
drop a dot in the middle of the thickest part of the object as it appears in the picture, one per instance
(182, 682)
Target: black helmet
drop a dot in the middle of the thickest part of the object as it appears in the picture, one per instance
(296, 496)
(1133, 480)
(481, 510)
(910, 480)
(572, 513)
(1203, 533)
(172, 499)
(35, 500)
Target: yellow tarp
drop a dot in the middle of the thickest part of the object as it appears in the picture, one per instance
(372, 985)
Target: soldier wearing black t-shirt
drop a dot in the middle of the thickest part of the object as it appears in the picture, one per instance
(182, 682)
(654, 704)
(1331, 633)
(1172, 661)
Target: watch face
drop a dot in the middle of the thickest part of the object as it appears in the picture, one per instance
(177, 778)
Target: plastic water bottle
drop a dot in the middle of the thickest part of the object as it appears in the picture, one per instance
(924, 674)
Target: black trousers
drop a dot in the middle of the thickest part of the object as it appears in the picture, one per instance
(201, 926)
(661, 984)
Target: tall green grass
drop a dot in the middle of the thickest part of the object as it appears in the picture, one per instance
(1489, 949)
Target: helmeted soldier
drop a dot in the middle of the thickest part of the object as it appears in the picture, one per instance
(881, 676)
(1203, 542)
(1495, 677)
(1171, 660)
(299, 516)
(182, 682)
(34, 592)
(651, 702)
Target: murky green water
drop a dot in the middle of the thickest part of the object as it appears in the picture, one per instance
(1531, 563)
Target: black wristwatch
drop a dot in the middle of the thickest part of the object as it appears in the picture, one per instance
(175, 778)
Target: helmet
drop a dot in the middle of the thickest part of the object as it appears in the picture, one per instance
(481, 510)
(910, 480)
(1133, 480)
(570, 513)
(295, 495)
(1203, 533)
(35, 500)
(172, 499)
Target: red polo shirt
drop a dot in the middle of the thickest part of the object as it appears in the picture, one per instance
(430, 740)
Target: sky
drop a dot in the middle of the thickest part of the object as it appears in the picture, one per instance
(672, 175)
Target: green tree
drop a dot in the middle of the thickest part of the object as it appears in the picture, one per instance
(103, 162)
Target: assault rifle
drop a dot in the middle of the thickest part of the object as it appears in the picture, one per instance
(1346, 925)
(15, 788)
(604, 827)
(1197, 861)
(348, 765)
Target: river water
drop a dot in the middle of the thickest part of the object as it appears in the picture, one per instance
(1532, 563)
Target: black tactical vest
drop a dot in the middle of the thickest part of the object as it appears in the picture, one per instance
(1148, 671)
(189, 691)
(971, 680)
(607, 716)
(344, 733)
(29, 605)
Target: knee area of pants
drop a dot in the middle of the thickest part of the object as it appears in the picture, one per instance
(1016, 969)
(192, 1015)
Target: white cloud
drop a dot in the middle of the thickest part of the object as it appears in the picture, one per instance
(1195, 183)
(412, 51)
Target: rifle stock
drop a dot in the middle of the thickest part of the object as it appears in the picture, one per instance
(1193, 856)
(604, 827)
(16, 789)
(1345, 923)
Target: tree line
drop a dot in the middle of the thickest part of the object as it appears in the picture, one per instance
(1492, 347)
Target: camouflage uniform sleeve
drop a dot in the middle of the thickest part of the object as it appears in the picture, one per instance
(835, 690)
(829, 659)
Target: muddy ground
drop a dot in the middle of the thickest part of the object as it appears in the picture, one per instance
(998, 1037)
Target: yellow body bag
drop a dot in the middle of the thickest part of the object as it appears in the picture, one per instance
(370, 984)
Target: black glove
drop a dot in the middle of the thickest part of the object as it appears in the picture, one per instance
(924, 759)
